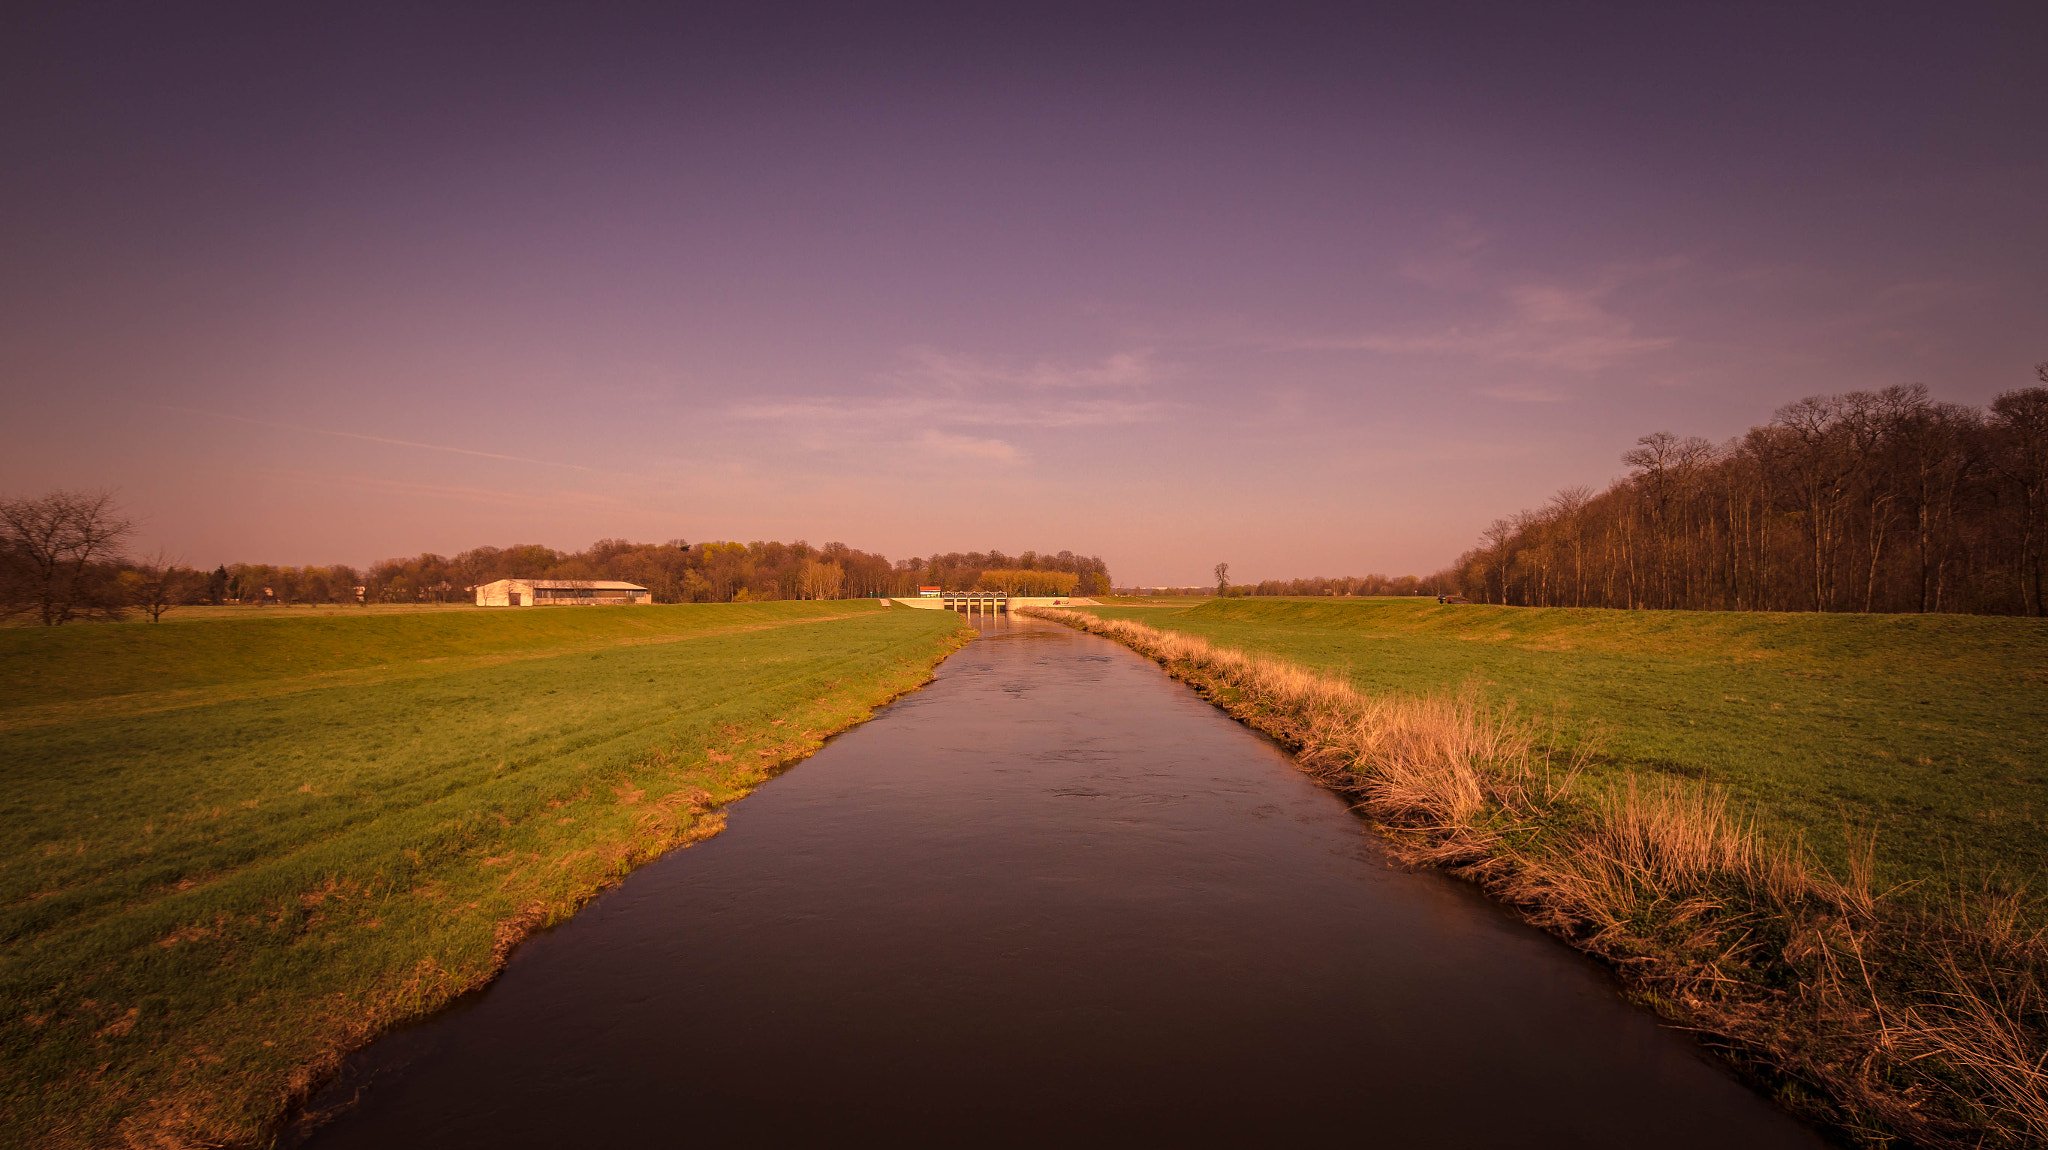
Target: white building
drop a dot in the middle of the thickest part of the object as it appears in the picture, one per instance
(559, 593)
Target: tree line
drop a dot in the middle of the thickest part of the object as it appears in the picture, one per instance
(1026, 581)
(1872, 501)
(63, 558)
(727, 572)
(1443, 582)
(1340, 585)
(956, 571)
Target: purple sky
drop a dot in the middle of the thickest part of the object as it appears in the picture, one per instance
(1307, 292)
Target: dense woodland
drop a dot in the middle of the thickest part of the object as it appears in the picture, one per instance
(1869, 501)
(62, 559)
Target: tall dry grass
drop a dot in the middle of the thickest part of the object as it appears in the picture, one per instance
(1924, 1022)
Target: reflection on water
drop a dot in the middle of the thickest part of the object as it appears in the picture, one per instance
(1052, 896)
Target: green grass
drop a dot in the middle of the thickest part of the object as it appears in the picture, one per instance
(1931, 728)
(231, 847)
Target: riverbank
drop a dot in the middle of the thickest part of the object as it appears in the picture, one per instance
(1052, 875)
(1883, 1017)
(1932, 730)
(233, 849)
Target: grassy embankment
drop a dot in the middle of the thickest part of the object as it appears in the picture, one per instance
(1932, 729)
(234, 848)
(1702, 847)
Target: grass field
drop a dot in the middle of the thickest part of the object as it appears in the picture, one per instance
(1933, 729)
(1887, 1014)
(233, 847)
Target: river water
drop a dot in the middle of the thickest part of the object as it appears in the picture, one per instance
(1052, 896)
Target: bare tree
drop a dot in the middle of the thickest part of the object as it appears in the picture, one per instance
(2021, 418)
(57, 550)
(162, 583)
(1821, 467)
(1866, 501)
(1569, 507)
(817, 580)
(1223, 578)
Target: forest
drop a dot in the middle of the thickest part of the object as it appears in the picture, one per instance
(1884, 501)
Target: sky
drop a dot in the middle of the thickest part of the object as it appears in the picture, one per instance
(1305, 289)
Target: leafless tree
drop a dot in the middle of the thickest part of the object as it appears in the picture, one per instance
(162, 583)
(817, 580)
(58, 551)
(1569, 507)
(2021, 418)
(1880, 500)
(1821, 466)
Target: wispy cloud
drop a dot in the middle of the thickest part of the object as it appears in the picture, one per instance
(1560, 323)
(968, 447)
(938, 389)
(1453, 263)
(1517, 394)
(950, 410)
(1852, 307)
(371, 438)
(929, 366)
(554, 497)
(1547, 325)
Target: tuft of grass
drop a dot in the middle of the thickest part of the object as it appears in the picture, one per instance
(1882, 1017)
(233, 849)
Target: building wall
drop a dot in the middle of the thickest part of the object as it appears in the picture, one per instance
(606, 598)
(499, 594)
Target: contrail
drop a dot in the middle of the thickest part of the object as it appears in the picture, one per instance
(372, 438)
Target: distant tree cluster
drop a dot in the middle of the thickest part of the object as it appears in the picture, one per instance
(1443, 582)
(955, 571)
(676, 572)
(721, 572)
(1021, 581)
(269, 583)
(1868, 501)
(1344, 585)
(62, 559)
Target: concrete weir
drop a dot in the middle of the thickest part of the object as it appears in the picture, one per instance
(989, 602)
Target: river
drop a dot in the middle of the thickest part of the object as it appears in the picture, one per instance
(1051, 896)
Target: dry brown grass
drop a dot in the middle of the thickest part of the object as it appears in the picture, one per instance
(1887, 1023)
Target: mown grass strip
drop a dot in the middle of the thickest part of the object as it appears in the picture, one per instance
(314, 674)
(1885, 1019)
(264, 645)
(203, 908)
